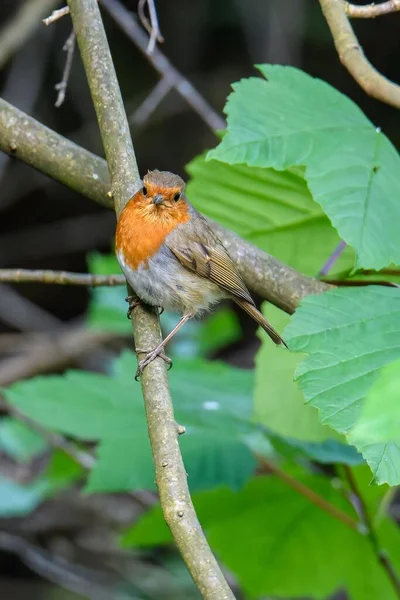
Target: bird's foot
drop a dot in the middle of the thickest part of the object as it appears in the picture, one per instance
(150, 356)
(133, 301)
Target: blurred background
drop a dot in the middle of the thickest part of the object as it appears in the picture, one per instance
(213, 43)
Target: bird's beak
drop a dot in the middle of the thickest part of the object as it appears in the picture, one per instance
(158, 199)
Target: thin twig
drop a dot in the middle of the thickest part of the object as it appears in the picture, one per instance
(134, 31)
(82, 458)
(332, 259)
(59, 278)
(148, 106)
(87, 174)
(152, 27)
(370, 11)
(56, 14)
(69, 48)
(312, 496)
(163, 431)
(62, 348)
(381, 555)
(358, 282)
(354, 59)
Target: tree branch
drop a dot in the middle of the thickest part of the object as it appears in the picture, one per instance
(380, 554)
(306, 492)
(86, 173)
(15, 33)
(370, 11)
(353, 57)
(170, 471)
(59, 278)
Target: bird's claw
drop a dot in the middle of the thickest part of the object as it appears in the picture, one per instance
(150, 356)
(133, 302)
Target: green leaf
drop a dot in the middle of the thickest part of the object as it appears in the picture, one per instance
(278, 400)
(380, 417)
(212, 400)
(18, 441)
(287, 546)
(17, 499)
(349, 335)
(272, 209)
(351, 167)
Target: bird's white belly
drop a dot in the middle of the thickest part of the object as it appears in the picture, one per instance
(166, 283)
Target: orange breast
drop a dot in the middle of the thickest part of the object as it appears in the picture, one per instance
(142, 229)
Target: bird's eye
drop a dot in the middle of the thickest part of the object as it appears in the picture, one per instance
(144, 191)
(177, 196)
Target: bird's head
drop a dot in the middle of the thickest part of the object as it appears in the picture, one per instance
(162, 192)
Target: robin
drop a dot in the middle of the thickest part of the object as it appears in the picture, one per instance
(173, 259)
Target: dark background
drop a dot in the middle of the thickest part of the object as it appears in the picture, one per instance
(213, 43)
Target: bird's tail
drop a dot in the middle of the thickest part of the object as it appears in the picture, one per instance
(261, 320)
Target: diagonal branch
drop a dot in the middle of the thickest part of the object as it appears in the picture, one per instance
(162, 65)
(86, 173)
(353, 57)
(163, 431)
(370, 11)
(22, 26)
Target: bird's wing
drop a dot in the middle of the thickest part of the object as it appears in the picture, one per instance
(205, 255)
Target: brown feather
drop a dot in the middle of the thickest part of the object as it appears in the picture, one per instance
(261, 320)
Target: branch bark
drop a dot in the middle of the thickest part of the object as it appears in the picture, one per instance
(163, 431)
(370, 11)
(59, 278)
(86, 173)
(353, 58)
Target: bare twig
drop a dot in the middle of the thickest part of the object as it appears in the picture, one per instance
(21, 313)
(370, 11)
(152, 27)
(55, 15)
(163, 432)
(54, 440)
(132, 29)
(86, 173)
(22, 26)
(380, 554)
(308, 493)
(59, 278)
(55, 352)
(148, 106)
(61, 87)
(332, 259)
(353, 58)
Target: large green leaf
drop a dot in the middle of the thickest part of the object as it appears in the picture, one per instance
(272, 209)
(380, 417)
(285, 546)
(212, 400)
(351, 167)
(348, 335)
(278, 400)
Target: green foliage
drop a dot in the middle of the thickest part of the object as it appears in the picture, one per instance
(272, 209)
(288, 547)
(380, 417)
(279, 401)
(290, 119)
(17, 499)
(348, 335)
(107, 309)
(18, 441)
(212, 400)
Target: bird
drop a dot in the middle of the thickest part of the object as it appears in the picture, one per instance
(173, 259)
